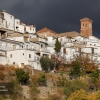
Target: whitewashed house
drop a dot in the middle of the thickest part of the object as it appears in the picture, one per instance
(21, 57)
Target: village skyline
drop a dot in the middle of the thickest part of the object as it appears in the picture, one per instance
(57, 15)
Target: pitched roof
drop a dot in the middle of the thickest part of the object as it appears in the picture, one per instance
(86, 19)
(14, 34)
(46, 30)
(70, 34)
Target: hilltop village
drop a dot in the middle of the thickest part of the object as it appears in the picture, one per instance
(21, 44)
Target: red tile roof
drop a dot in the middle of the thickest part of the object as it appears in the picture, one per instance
(86, 19)
(46, 30)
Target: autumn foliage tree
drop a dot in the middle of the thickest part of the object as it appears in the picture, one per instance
(78, 95)
(88, 64)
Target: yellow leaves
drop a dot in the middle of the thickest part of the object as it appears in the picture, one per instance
(82, 95)
(78, 95)
(91, 96)
(98, 95)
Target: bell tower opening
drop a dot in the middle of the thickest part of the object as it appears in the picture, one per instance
(86, 27)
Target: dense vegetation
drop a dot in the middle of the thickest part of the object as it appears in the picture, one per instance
(80, 81)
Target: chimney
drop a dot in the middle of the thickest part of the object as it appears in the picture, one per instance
(34, 25)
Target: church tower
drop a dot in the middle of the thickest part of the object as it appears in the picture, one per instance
(86, 27)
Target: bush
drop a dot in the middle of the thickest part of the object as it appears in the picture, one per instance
(75, 71)
(47, 64)
(22, 76)
(61, 81)
(78, 95)
(72, 86)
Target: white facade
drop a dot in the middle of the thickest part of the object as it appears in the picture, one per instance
(3, 57)
(27, 48)
(8, 21)
(21, 58)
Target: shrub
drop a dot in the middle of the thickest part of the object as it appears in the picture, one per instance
(78, 95)
(47, 64)
(72, 86)
(22, 76)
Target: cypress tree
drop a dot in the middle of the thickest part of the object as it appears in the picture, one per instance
(57, 46)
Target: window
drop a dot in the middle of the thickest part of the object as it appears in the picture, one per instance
(11, 17)
(24, 28)
(13, 62)
(10, 55)
(92, 50)
(23, 53)
(64, 50)
(30, 28)
(29, 55)
(41, 45)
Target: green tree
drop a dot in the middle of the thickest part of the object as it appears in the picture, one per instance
(95, 76)
(47, 64)
(75, 71)
(72, 86)
(95, 80)
(22, 76)
(57, 46)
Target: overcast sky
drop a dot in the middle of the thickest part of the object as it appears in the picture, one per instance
(58, 15)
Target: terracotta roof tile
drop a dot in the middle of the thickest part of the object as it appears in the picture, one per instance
(46, 30)
(70, 34)
(86, 19)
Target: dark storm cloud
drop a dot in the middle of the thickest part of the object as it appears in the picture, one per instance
(58, 15)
